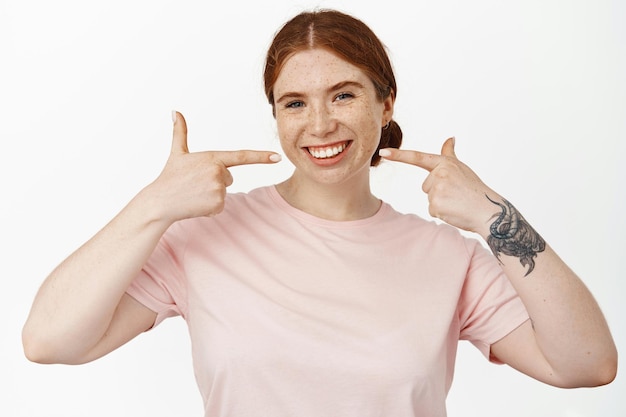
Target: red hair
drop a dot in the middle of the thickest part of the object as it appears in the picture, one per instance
(347, 37)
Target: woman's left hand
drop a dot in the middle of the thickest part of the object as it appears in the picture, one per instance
(456, 194)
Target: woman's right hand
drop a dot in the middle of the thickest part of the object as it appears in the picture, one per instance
(81, 311)
(194, 184)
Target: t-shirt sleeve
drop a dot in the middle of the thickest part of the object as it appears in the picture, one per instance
(160, 285)
(489, 308)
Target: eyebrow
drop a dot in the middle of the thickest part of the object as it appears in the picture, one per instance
(338, 86)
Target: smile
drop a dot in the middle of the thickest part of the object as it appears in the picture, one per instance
(324, 152)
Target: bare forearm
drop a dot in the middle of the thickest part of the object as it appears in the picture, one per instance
(569, 326)
(77, 301)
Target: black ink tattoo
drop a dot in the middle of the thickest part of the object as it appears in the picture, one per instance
(513, 236)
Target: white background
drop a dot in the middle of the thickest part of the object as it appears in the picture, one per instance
(534, 92)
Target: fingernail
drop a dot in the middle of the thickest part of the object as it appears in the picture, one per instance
(173, 116)
(384, 153)
(275, 157)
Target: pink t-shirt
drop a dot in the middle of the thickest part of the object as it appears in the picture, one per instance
(292, 315)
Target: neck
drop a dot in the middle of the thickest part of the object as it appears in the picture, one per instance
(338, 202)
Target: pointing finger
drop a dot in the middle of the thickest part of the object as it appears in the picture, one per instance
(228, 158)
(179, 137)
(420, 159)
(246, 157)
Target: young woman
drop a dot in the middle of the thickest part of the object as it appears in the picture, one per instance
(313, 297)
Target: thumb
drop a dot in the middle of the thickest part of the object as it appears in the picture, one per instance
(448, 147)
(179, 136)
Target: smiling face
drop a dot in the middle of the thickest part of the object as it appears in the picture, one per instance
(329, 117)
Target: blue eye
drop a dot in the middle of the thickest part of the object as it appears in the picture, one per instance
(343, 96)
(294, 104)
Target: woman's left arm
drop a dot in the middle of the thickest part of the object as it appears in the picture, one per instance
(567, 342)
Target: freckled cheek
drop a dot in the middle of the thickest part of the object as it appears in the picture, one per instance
(370, 131)
(370, 142)
(287, 132)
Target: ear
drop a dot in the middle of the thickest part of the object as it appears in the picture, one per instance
(388, 104)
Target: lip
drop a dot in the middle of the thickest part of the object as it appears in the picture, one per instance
(330, 160)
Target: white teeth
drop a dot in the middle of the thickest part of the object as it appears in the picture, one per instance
(322, 153)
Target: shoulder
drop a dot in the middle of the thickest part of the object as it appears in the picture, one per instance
(239, 207)
(428, 235)
(252, 198)
(413, 223)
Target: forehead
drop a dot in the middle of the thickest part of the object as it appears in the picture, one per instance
(316, 68)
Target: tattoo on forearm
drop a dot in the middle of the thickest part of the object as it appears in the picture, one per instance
(511, 235)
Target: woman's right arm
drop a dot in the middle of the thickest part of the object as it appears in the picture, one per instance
(82, 311)
(76, 304)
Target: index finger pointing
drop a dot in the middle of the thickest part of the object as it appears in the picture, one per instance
(420, 159)
(246, 157)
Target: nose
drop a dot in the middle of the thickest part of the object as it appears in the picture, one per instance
(322, 121)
